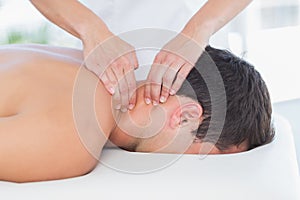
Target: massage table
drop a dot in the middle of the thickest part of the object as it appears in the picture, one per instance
(269, 172)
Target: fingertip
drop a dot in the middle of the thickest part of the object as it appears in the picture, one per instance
(155, 100)
(136, 64)
(132, 103)
(162, 99)
(155, 103)
(124, 110)
(164, 94)
(155, 92)
(131, 106)
(111, 90)
(147, 94)
(147, 101)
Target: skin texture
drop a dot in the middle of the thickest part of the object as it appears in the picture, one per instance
(43, 136)
(39, 140)
(89, 28)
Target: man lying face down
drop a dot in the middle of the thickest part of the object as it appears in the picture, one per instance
(185, 126)
(50, 129)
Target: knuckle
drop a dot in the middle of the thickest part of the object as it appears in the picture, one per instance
(155, 83)
(183, 74)
(124, 61)
(165, 89)
(130, 48)
(119, 67)
(181, 59)
(120, 76)
(128, 68)
(114, 66)
(164, 67)
(172, 71)
(171, 57)
(158, 57)
(167, 80)
(152, 80)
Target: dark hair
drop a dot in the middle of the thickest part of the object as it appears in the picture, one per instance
(248, 114)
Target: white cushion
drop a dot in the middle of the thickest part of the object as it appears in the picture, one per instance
(267, 172)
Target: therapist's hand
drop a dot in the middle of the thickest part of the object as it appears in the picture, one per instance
(170, 68)
(113, 60)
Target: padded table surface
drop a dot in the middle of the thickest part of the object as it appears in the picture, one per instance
(267, 172)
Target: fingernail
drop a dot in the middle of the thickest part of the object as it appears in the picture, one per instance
(124, 109)
(162, 99)
(111, 90)
(118, 107)
(147, 101)
(172, 92)
(155, 103)
(131, 106)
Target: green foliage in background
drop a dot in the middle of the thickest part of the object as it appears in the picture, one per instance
(40, 36)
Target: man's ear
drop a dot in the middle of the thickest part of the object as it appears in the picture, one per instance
(186, 113)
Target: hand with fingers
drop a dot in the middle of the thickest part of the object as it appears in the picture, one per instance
(170, 68)
(113, 60)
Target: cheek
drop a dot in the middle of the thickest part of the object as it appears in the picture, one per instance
(170, 142)
(151, 124)
(156, 143)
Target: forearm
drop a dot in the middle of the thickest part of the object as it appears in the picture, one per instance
(212, 17)
(73, 17)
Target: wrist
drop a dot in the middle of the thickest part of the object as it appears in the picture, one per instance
(97, 32)
(199, 32)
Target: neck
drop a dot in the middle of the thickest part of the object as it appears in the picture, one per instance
(131, 124)
(122, 140)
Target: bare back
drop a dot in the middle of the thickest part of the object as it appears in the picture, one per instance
(38, 135)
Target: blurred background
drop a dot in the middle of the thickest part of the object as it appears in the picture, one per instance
(266, 34)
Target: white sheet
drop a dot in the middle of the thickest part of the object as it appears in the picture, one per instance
(268, 172)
